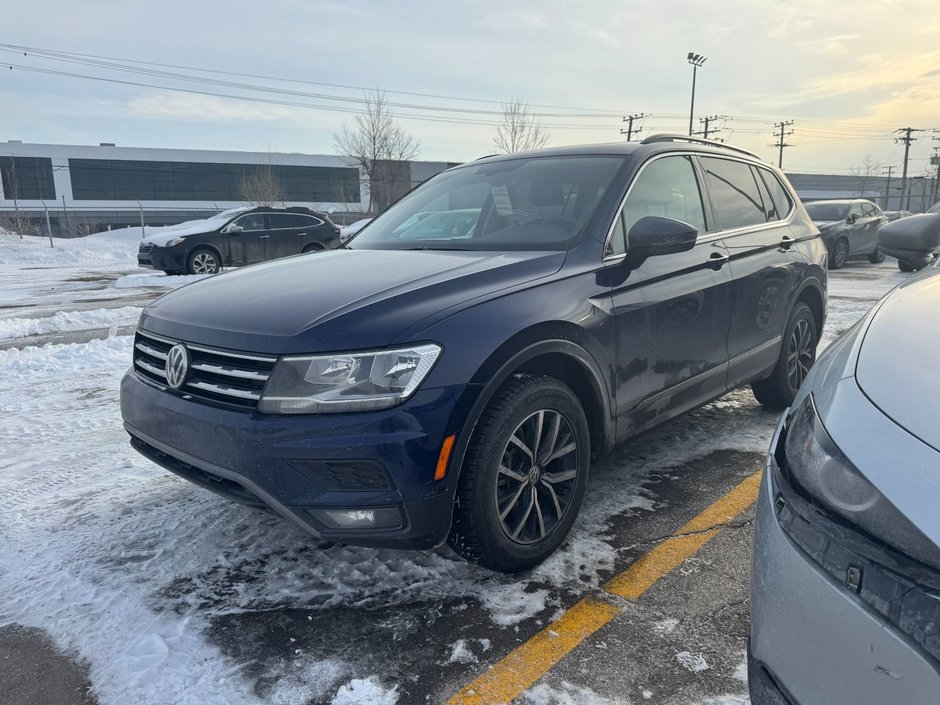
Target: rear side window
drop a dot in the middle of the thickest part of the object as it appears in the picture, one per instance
(308, 221)
(735, 198)
(666, 187)
(280, 221)
(781, 198)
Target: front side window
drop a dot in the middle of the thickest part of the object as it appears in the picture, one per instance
(254, 221)
(735, 198)
(667, 188)
(539, 203)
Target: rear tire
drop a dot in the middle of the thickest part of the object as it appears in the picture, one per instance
(523, 477)
(905, 266)
(797, 355)
(877, 257)
(202, 260)
(839, 254)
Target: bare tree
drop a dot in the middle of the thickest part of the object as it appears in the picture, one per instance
(375, 142)
(260, 186)
(520, 130)
(864, 173)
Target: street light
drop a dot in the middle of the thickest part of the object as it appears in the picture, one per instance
(696, 60)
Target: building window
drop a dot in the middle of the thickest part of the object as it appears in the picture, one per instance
(131, 180)
(27, 178)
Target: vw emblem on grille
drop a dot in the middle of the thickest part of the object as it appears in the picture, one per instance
(177, 365)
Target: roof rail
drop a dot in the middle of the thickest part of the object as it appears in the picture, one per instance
(697, 140)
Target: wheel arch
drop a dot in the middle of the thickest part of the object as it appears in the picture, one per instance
(205, 246)
(811, 294)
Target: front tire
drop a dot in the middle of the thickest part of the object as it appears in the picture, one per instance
(203, 261)
(839, 254)
(797, 355)
(877, 257)
(523, 477)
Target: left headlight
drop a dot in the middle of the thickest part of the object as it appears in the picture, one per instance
(175, 241)
(322, 384)
(824, 472)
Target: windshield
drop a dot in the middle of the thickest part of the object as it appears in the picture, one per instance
(935, 208)
(827, 211)
(539, 203)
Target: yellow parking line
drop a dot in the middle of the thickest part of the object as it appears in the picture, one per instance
(516, 672)
(674, 551)
(507, 678)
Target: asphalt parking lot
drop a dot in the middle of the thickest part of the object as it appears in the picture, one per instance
(125, 584)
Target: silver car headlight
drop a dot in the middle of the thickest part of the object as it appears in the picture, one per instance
(824, 472)
(323, 384)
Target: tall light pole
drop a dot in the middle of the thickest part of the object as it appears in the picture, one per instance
(696, 60)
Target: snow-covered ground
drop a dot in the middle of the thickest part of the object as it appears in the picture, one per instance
(130, 569)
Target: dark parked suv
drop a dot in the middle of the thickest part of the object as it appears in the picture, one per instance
(237, 236)
(406, 390)
(849, 228)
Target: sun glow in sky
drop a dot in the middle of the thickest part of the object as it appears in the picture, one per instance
(847, 74)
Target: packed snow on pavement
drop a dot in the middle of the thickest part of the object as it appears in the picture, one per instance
(128, 567)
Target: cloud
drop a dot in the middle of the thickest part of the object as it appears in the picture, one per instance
(837, 44)
(204, 108)
(514, 20)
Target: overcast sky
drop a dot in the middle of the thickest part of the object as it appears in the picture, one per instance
(847, 73)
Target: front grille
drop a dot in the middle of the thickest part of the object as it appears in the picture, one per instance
(145, 247)
(218, 376)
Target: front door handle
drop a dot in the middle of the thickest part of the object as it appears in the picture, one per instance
(716, 260)
(264, 237)
(786, 242)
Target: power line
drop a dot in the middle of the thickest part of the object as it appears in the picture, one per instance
(706, 122)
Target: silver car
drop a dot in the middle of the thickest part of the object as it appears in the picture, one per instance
(845, 596)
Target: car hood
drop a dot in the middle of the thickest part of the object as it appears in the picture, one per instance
(897, 362)
(337, 300)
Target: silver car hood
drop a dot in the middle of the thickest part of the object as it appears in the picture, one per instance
(898, 365)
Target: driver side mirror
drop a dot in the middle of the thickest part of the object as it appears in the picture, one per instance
(232, 228)
(653, 236)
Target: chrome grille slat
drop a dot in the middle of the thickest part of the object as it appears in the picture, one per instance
(150, 350)
(224, 390)
(215, 376)
(224, 371)
(150, 367)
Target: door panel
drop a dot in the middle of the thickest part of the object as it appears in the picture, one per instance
(671, 312)
(286, 235)
(250, 244)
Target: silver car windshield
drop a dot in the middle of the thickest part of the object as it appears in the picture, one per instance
(536, 203)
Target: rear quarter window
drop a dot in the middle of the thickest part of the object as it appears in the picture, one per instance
(735, 197)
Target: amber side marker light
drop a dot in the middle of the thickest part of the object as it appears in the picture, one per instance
(446, 447)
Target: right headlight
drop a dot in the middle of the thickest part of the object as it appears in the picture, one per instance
(338, 382)
(824, 472)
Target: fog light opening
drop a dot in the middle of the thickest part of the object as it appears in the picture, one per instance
(360, 518)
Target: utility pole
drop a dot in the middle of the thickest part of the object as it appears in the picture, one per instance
(706, 122)
(936, 178)
(887, 199)
(906, 139)
(630, 119)
(781, 135)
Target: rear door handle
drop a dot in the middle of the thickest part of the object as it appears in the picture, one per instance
(786, 242)
(264, 237)
(716, 260)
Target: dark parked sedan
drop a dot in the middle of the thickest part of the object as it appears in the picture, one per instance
(845, 601)
(235, 237)
(849, 228)
(455, 382)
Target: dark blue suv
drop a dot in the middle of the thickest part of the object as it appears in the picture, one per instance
(450, 377)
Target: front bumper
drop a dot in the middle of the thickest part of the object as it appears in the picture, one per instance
(813, 640)
(295, 465)
(167, 259)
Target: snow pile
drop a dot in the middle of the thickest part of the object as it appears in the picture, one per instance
(67, 251)
(695, 663)
(567, 694)
(365, 691)
(68, 321)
